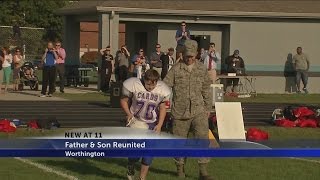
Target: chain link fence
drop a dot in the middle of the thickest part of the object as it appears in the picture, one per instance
(30, 41)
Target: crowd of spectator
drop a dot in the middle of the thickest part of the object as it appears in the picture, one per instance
(125, 65)
(53, 61)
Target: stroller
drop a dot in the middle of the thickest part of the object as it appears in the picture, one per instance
(28, 77)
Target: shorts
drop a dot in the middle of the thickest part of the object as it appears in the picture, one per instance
(145, 161)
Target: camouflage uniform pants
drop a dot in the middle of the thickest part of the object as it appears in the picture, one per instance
(200, 126)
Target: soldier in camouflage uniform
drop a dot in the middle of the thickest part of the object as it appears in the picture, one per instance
(192, 101)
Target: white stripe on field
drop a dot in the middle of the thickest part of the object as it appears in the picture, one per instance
(47, 169)
(307, 160)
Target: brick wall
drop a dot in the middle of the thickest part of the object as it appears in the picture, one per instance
(89, 34)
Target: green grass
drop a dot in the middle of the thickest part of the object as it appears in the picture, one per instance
(12, 169)
(279, 98)
(164, 168)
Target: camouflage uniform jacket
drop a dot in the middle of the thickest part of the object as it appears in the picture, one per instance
(191, 90)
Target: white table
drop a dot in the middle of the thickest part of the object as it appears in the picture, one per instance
(246, 83)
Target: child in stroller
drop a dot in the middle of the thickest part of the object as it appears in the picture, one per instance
(28, 77)
(28, 73)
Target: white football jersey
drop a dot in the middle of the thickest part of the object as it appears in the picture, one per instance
(144, 103)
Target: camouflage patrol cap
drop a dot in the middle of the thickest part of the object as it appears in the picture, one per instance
(190, 48)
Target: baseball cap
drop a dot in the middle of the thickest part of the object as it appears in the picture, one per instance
(236, 51)
(190, 48)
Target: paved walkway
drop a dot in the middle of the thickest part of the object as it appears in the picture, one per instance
(30, 95)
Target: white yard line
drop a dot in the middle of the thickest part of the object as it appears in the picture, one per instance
(47, 169)
(307, 160)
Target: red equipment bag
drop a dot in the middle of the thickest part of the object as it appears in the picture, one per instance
(254, 134)
(303, 112)
(33, 124)
(285, 123)
(307, 123)
(7, 126)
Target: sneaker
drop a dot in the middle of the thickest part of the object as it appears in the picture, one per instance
(305, 90)
(130, 172)
(42, 95)
(62, 91)
(49, 95)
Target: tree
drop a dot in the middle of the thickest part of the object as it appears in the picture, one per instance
(31, 13)
(34, 13)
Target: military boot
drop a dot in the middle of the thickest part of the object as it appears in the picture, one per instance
(180, 171)
(203, 173)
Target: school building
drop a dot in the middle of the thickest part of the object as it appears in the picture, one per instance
(267, 33)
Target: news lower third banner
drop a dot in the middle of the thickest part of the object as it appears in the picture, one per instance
(128, 142)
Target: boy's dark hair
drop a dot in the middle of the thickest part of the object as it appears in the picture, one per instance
(212, 44)
(151, 75)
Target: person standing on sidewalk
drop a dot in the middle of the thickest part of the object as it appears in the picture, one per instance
(192, 102)
(155, 60)
(123, 63)
(167, 62)
(182, 34)
(6, 66)
(49, 59)
(18, 62)
(211, 60)
(301, 65)
(60, 65)
(107, 67)
(1, 73)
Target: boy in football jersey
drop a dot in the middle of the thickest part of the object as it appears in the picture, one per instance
(140, 101)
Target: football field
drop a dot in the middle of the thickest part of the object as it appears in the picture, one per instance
(164, 168)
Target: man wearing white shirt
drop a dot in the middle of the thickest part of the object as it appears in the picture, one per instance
(211, 61)
(167, 62)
